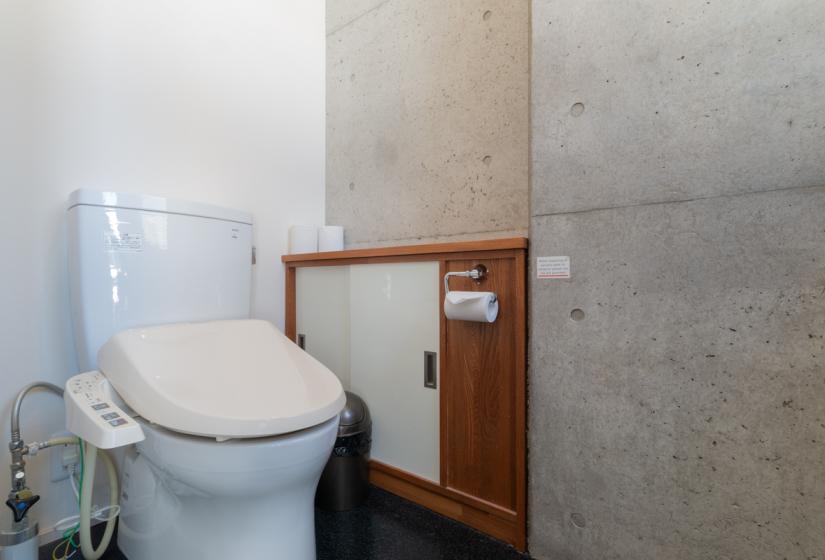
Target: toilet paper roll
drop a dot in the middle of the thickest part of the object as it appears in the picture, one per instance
(481, 307)
(330, 238)
(303, 239)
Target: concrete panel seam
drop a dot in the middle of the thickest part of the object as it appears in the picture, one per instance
(356, 18)
(678, 201)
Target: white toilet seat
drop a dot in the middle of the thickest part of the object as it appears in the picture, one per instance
(221, 379)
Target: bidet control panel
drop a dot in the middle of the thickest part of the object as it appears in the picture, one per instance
(93, 415)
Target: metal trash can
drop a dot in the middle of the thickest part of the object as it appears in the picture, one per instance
(344, 483)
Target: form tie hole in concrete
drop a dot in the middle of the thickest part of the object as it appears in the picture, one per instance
(487, 15)
(577, 314)
(578, 520)
(487, 160)
(352, 186)
(577, 109)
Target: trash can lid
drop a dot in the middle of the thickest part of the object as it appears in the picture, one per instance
(355, 417)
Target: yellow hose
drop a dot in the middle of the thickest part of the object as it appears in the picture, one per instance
(86, 547)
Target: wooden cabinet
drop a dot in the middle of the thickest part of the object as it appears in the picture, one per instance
(480, 478)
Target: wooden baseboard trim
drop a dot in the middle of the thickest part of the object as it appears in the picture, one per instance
(488, 518)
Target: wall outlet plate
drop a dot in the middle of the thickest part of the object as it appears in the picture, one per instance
(62, 458)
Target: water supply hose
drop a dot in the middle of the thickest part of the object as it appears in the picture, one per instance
(18, 403)
(87, 485)
(17, 447)
(21, 498)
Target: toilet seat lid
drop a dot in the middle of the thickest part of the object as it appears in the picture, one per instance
(223, 379)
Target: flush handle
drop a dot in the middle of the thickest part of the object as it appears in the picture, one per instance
(430, 370)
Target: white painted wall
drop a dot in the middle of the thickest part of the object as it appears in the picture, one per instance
(219, 102)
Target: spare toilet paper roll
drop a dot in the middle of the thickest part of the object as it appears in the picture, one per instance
(330, 238)
(481, 307)
(303, 239)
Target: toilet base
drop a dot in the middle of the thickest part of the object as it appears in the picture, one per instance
(193, 498)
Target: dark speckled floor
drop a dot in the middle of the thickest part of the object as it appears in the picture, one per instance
(387, 528)
(390, 528)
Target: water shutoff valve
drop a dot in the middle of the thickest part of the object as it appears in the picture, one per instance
(21, 502)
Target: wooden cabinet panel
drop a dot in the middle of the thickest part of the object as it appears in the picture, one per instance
(482, 386)
(482, 376)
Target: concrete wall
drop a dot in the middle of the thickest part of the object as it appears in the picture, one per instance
(427, 119)
(216, 102)
(678, 152)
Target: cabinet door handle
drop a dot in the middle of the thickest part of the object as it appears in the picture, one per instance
(430, 370)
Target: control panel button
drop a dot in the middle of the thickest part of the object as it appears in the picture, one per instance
(100, 406)
(111, 416)
(118, 422)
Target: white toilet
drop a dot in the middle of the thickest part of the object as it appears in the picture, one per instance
(239, 422)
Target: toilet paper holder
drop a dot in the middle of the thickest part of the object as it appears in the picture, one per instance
(477, 273)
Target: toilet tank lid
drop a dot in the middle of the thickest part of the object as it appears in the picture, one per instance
(86, 197)
(223, 379)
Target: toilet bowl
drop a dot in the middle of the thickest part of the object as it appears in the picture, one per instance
(238, 424)
(192, 497)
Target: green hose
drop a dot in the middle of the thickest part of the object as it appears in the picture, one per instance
(87, 483)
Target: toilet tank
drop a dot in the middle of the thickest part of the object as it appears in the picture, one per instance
(138, 261)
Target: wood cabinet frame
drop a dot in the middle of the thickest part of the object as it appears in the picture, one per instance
(505, 523)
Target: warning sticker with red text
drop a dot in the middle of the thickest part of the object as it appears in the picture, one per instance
(552, 267)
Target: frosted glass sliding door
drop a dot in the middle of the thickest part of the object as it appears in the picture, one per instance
(372, 325)
(322, 316)
(394, 312)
